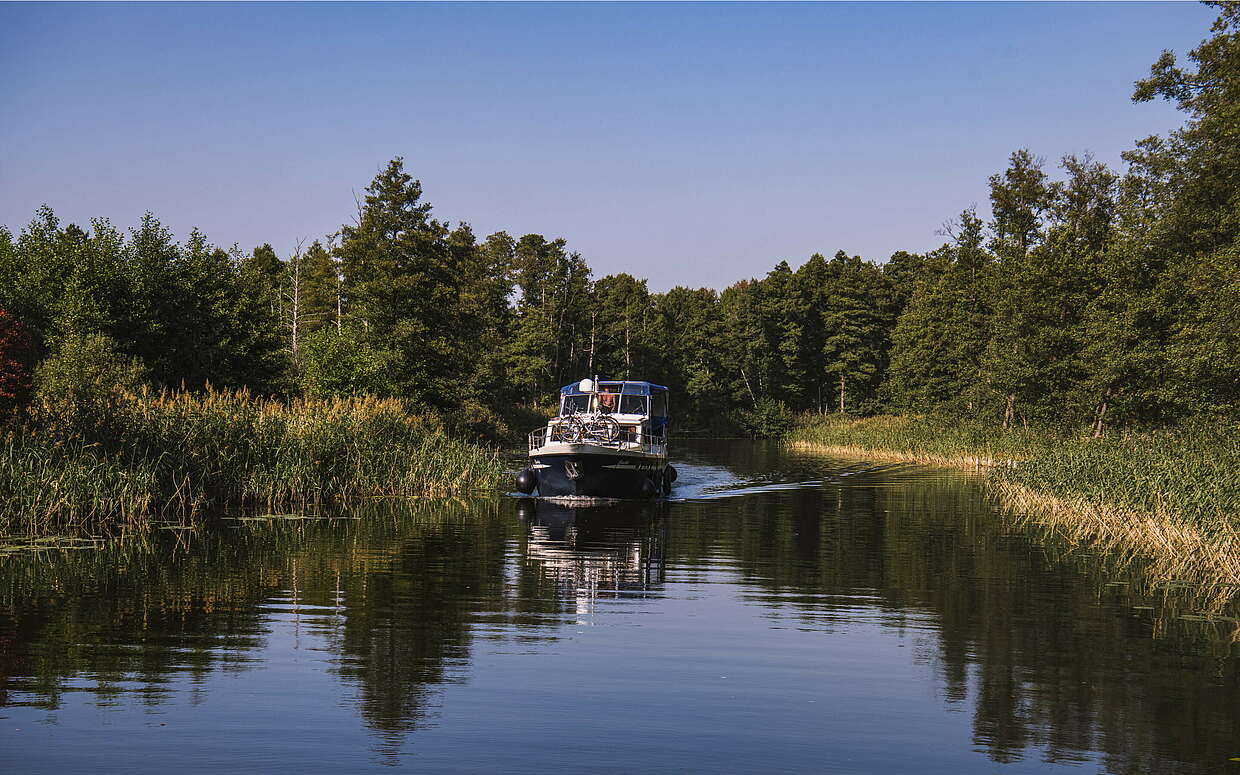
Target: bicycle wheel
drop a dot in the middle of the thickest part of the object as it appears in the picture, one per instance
(573, 430)
(605, 429)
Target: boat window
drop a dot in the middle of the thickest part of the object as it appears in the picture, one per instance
(658, 401)
(630, 404)
(575, 402)
(608, 398)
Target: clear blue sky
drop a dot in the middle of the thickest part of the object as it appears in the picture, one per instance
(690, 144)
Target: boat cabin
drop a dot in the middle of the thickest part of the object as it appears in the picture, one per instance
(639, 407)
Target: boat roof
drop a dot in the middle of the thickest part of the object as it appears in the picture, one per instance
(631, 386)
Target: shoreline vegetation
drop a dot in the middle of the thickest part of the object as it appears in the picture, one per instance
(123, 461)
(1085, 296)
(1170, 498)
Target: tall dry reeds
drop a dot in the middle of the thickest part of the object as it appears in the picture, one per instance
(1171, 497)
(128, 458)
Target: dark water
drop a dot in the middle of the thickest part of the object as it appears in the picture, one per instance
(782, 614)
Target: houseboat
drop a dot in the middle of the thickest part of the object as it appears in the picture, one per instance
(609, 440)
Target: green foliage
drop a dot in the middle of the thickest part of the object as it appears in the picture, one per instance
(857, 328)
(86, 370)
(485, 319)
(193, 314)
(402, 286)
(939, 340)
(769, 419)
(547, 348)
(342, 363)
(317, 282)
(623, 340)
(1090, 298)
(1188, 474)
(689, 328)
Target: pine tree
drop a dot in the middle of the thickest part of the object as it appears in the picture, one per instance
(689, 338)
(485, 316)
(748, 358)
(401, 288)
(853, 347)
(1019, 198)
(812, 280)
(781, 311)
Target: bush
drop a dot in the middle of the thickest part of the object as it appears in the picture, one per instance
(770, 418)
(340, 363)
(87, 369)
(16, 357)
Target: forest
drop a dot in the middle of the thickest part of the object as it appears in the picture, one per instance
(1087, 298)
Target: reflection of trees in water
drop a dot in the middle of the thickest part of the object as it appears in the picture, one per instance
(587, 552)
(66, 614)
(1049, 649)
(1055, 651)
(409, 606)
(399, 593)
(394, 593)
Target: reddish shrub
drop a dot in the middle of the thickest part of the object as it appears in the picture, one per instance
(16, 364)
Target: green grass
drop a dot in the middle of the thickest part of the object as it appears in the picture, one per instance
(125, 461)
(1189, 474)
(921, 438)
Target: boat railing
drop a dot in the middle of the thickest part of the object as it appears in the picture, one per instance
(598, 434)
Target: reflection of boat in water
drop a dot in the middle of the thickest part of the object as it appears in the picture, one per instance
(600, 549)
(608, 441)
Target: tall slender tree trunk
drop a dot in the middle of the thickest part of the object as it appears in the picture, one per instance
(841, 392)
(338, 269)
(750, 389)
(295, 306)
(593, 322)
(1009, 411)
(1100, 413)
(296, 310)
(628, 354)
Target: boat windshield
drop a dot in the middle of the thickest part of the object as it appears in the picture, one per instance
(574, 403)
(577, 403)
(631, 404)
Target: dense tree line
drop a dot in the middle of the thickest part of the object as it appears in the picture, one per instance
(1088, 297)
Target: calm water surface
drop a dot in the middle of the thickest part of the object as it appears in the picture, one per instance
(780, 613)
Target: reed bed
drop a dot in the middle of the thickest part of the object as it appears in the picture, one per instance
(1190, 475)
(1167, 549)
(919, 439)
(1170, 497)
(130, 459)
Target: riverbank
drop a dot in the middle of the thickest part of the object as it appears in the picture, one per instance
(1170, 497)
(125, 461)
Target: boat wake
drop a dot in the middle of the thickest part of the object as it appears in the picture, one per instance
(703, 481)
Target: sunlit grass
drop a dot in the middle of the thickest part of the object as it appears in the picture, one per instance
(1172, 495)
(919, 439)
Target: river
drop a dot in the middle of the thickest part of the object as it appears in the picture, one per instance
(780, 612)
